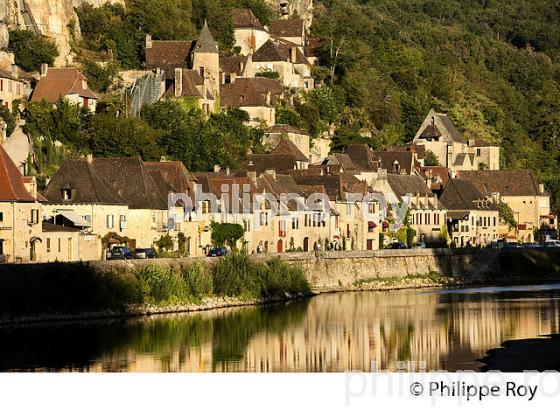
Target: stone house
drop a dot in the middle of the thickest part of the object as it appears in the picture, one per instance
(427, 215)
(191, 68)
(249, 33)
(439, 134)
(472, 219)
(67, 83)
(275, 134)
(11, 88)
(291, 29)
(519, 189)
(256, 96)
(20, 214)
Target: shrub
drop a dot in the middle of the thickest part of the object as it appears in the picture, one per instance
(234, 275)
(160, 284)
(32, 50)
(198, 281)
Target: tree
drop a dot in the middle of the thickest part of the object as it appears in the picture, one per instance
(226, 234)
(123, 137)
(506, 215)
(32, 50)
(9, 119)
(165, 243)
(431, 160)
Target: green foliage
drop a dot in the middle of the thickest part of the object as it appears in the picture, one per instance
(123, 137)
(443, 237)
(198, 142)
(165, 243)
(431, 159)
(31, 50)
(268, 74)
(160, 284)
(226, 234)
(507, 216)
(100, 77)
(238, 275)
(198, 281)
(9, 118)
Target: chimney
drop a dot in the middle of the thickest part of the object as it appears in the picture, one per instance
(227, 171)
(471, 143)
(89, 158)
(271, 172)
(44, 70)
(232, 78)
(293, 55)
(268, 98)
(252, 175)
(382, 174)
(541, 188)
(178, 82)
(149, 42)
(217, 168)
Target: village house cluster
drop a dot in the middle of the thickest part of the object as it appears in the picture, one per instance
(91, 204)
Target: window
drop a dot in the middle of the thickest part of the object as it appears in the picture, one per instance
(34, 216)
(282, 229)
(494, 221)
(59, 244)
(227, 79)
(201, 69)
(478, 153)
(295, 222)
(66, 194)
(110, 221)
(48, 245)
(428, 219)
(1, 216)
(87, 218)
(122, 222)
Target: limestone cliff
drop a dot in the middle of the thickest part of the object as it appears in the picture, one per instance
(51, 18)
(301, 8)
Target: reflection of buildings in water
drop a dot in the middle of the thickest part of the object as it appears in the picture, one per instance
(350, 331)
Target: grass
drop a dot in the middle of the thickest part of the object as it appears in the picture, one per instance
(72, 288)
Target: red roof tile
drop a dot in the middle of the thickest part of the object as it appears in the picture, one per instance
(12, 188)
(60, 82)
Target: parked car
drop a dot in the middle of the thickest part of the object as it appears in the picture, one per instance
(215, 252)
(552, 243)
(119, 253)
(396, 245)
(513, 245)
(533, 245)
(144, 253)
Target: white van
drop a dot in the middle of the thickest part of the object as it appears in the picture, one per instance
(552, 243)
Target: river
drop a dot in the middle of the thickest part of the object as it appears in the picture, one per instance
(413, 329)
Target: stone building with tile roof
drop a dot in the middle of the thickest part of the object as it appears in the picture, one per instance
(68, 83)
(248, 31)
(524, 194)
(439, 135)
(275, 134)
(472, 219)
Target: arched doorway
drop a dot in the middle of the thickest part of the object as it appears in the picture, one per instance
(266, 246)
(306, 244)
(280, 246)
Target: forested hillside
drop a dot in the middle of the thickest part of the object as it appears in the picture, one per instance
(492, 65)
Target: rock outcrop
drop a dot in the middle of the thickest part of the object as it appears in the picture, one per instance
(301, 8)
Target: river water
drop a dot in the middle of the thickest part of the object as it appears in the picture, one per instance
(431, 329)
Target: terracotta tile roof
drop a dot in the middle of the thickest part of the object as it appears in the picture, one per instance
(439, 173)
(408, 184)
(245, 18)
(461, 158)
(461, 194)
(337, 163)
(363, 156)
(60, 82)
(506, 182)
(390, 160)
(251, 92)
(175, 174)
(12, 188)
(336, 186)
(288, 147)
(284, 129)
(191, 79)
(8, 75)
(85, 182)
(277, 49)
(292, 27)
(482, 143)
(261, 162)
(431, 131)
(130, 178)
(233, 64)
(168, 55)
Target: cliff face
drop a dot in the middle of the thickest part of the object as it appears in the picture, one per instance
(301, 8)
(49, 17)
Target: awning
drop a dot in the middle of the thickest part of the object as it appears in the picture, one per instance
(73, 217)
(371, 225)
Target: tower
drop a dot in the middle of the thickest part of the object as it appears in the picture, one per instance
(206, 60)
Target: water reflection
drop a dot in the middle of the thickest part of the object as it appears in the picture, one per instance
(448, 330)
